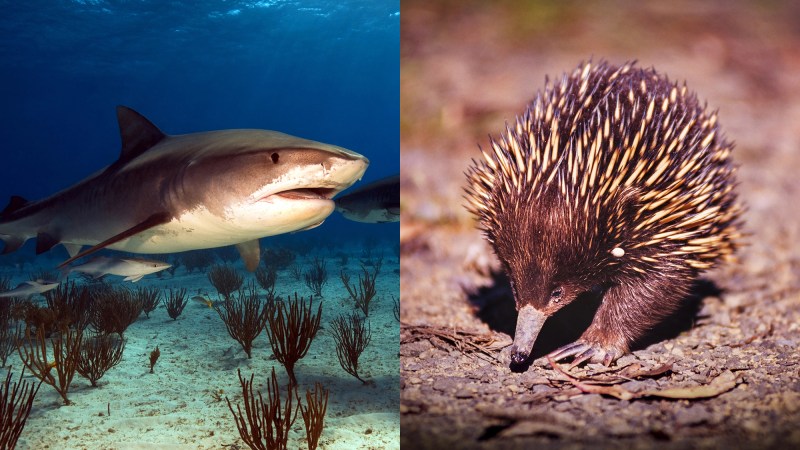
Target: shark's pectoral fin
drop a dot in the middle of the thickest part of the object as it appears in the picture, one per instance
(45, 241)
(72, 249)
(133, 278)
(251, 254)
(154, 220)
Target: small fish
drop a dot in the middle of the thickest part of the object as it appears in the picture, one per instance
(203, 300)
(133, 269)
(30, 288)
(377, 202)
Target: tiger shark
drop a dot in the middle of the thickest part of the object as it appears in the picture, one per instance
(172, 193)
(377, 202)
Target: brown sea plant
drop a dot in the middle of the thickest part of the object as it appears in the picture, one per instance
(296, 272)
(98, 354)
(175, 301)
(43, 317)
(114, 310)
(265, 423)
(316, 276)
(149, 298)
(66, 347)
(291, 330)
(10, 331)
(266, 277)
(244, 315)
(364, 291)
(19, 307)
(314, 414)
(352, 334)
(225, 279)
(198, 260)
(277, 258)
(343, 259)
(16, 401)
(154, 357)
(71, 303)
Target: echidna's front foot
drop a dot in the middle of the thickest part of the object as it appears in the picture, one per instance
(582, 350)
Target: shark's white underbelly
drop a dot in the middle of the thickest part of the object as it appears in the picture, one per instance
(200, 229)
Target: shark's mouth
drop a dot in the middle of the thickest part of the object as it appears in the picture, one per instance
(308, 193)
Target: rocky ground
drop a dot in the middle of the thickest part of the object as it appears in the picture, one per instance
(725, 371)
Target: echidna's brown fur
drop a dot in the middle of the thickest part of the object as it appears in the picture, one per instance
(613, 179)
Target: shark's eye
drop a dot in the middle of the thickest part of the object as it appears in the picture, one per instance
(275, 158)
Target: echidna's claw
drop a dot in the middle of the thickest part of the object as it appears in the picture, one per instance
(582, 351)
(578, 359)
(569, 350)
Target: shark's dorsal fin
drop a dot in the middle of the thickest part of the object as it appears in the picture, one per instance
(14, 204)
(250, 252)
(154, 220)
(138, 134)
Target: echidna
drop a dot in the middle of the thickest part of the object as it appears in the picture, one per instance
(614, 180)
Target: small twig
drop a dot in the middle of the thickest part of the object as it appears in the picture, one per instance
(465, 342)
(721, 384)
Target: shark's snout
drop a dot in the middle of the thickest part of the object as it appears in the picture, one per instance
(333, 174)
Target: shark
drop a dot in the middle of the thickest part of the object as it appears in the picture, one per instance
(133, 269)
(29, 288)
(173, 193)
(376, 202)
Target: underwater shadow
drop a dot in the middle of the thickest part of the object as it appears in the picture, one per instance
(495, 307)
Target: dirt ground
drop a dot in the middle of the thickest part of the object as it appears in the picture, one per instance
(469, 66)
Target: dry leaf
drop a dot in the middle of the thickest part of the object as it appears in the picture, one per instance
(723, 383)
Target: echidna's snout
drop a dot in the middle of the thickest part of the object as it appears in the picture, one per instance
(529, 322)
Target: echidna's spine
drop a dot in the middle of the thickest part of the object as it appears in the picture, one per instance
(615, 180)
(603, 132)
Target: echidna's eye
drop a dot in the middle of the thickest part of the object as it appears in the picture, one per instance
(555, 295)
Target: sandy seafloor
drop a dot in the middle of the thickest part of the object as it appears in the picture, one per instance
(177, 406)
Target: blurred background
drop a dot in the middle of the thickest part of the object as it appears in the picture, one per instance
(468, 67)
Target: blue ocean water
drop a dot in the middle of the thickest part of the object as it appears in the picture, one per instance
(319, 69)
(323, 70)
